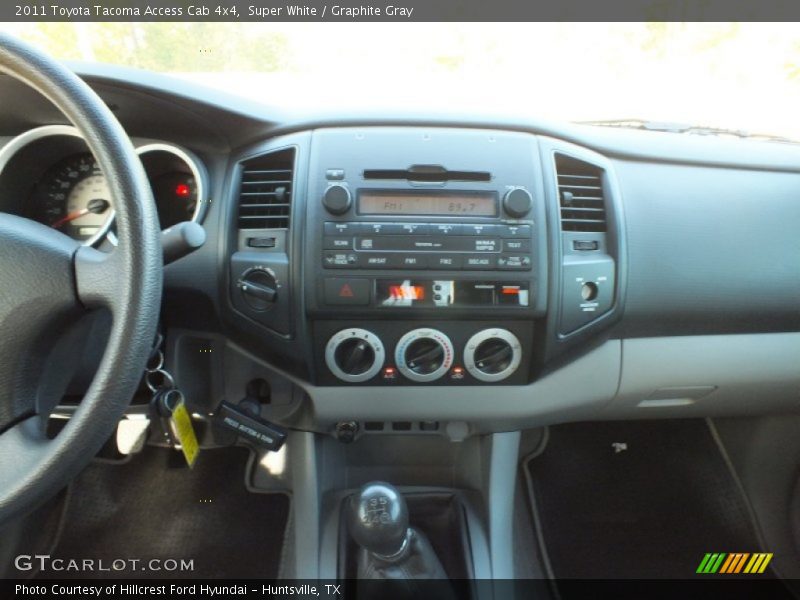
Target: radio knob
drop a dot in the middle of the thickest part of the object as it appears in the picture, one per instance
(518, 202)
(492, 354)
(424, 354)
(336, 199)
(354, 355)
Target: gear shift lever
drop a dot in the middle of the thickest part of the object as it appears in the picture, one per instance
(378, 519)
(390, 549)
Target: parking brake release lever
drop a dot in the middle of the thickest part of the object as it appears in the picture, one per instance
(181, 239)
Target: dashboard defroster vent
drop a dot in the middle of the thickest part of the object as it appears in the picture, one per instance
(580, 195)
(265, 193)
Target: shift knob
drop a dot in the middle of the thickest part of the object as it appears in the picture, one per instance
(378, 519)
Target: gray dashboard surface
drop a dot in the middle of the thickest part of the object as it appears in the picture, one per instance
(710, 249)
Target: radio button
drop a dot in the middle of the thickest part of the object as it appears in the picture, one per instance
(480, 229)
(514, 263)
(378, 228)
(339, 260)
(340, 228)
(483, 244)
(446, 229)
(480, 263)
(338, 243)
(375, 261)
(519, 245)
(366, 243)
(413, 229)
(445, 262)
(409, 261)
(516, 231)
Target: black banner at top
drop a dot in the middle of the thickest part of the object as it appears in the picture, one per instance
(399, 10)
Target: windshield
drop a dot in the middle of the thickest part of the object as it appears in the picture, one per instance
(742, 76)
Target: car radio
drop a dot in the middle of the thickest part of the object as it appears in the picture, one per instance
(416, 247)
(456, 227)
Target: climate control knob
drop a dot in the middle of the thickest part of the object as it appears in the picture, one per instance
(424, 354)
(354, 355)
(492, 354)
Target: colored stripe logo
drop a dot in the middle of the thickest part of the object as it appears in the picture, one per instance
(734, 563)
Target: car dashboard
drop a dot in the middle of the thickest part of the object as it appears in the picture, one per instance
(414, 273)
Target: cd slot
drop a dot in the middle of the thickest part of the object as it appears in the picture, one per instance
(426, 174)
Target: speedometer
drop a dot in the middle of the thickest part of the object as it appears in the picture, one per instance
(73, 197)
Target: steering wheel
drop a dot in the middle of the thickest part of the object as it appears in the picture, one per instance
(47, 280)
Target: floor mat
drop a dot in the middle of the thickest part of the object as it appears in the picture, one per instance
(636, 500)
(154, 507)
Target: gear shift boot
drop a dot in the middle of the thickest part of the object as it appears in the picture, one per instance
(415, 560)
(390, 545)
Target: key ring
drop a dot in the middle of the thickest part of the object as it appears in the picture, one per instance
(169, 395)
(159, 363)
(167, 383)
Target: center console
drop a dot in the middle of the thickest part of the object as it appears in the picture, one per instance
(425, 255)
(383, 256)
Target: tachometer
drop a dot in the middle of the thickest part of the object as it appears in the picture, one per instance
(73, 197)
(175, 194)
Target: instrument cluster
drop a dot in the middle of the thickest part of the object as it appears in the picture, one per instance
(54, 179)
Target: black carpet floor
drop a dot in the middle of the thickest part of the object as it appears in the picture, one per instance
(154, 507)
(651, 510)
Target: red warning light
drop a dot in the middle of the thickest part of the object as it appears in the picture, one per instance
(346, 291)
(182, 190)
(510, 291)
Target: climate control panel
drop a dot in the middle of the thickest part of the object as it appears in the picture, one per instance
(395, 353)
(424, 355)
(354, 355)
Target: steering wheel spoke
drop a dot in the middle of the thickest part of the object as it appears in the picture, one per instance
(21, 446)
(97, 276)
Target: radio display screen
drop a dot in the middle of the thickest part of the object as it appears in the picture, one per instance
(465, 203)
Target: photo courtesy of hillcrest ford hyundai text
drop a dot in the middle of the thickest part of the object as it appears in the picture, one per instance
(448, 299)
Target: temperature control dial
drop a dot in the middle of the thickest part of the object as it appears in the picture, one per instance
(492, 354)
(424, 354)
(354, 355)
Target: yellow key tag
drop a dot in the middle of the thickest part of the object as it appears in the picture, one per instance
(181, 424)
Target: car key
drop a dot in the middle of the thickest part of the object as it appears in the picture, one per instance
(170, 406)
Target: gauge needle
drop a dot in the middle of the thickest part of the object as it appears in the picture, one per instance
(96, 206)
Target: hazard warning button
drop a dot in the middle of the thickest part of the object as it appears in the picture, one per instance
(341, 291)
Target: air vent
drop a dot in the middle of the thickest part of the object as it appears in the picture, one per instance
(580, 194)
(265, 195)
